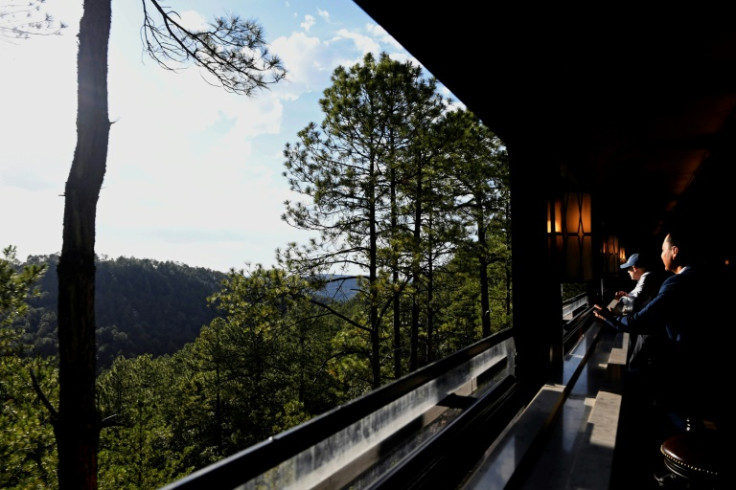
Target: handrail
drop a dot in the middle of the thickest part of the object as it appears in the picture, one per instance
(537, 443)
(445, 460)
(575, 328)
(445, 376)
(530, 446)
(571, 307)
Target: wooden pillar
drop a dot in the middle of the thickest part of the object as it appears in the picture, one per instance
(537, 300)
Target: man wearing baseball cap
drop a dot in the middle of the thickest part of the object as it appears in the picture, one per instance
(647, 285)
(641, 347)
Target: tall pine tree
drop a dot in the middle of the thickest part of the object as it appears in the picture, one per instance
(350, 170)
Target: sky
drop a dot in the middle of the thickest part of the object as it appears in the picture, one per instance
(194, 174)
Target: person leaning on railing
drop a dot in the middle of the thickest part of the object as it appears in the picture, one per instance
(642, 348)
(646, 288)
(688, 370)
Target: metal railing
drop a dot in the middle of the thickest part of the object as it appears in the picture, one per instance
(384, 434)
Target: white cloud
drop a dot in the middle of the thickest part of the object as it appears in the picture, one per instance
(193, 21)
(38, 98)
(304, 60)
(365, 44)
(379, 33)
(193, 173)
(308, 22)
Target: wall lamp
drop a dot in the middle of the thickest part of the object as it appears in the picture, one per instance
(569, 235)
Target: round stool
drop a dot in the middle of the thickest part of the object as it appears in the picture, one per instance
(693, 458)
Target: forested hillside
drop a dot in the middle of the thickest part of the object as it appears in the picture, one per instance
(419, 217)
(142, 307)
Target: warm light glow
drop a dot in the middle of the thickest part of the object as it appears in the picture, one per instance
(578, 213)
(554, 214)
(613, 254)
(572, 218)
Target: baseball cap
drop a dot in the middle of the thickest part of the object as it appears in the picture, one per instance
(633, 261)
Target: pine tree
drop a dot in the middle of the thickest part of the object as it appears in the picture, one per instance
(350, 170)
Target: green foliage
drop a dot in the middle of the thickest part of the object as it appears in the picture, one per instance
(255, 371)
(27, 446)
(458, 291)
(412, 195)
(273, 323)
(27, 449)
(572, 289)
(476, 167)
(136, 451)
(397, 185)
(142, 306)
(16, 285)
(356, 170)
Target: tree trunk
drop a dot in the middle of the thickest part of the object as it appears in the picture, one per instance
(395, 274)
(485, 305)
(373, 317)
(430, 349)
(416, 273)
(77, 429)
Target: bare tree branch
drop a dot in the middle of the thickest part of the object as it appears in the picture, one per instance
(232, 51)
(42, 397)
(24, 19)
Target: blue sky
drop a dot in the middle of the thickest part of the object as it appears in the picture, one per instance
(194, 174)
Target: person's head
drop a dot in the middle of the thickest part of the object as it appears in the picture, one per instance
(635, 267)
(676, 249)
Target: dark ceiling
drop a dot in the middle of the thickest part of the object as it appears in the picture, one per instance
(643, 119)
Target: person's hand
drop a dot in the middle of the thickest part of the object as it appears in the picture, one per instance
(620, 294)
(601, 312)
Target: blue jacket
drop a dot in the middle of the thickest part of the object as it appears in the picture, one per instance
(687, 366)
(677, 310)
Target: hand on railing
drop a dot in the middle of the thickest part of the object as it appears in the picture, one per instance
(607, 314)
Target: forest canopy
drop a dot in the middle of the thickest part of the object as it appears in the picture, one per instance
(408, 193)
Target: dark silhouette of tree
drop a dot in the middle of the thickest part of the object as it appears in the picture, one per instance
(234, 56)
(232, 52)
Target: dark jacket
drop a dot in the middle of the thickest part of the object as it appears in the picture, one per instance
(685, 366)
(676, 310)
(643, 348)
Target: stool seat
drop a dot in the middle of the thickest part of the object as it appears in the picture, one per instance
(694, 456)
